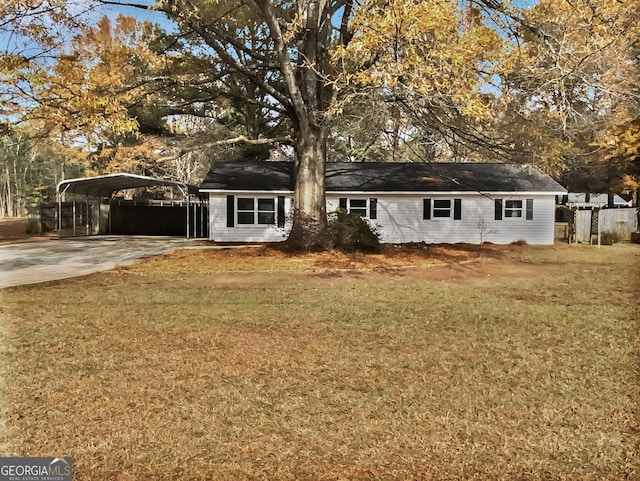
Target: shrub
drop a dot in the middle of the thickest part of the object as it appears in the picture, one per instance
(351, 232)
(519, 242)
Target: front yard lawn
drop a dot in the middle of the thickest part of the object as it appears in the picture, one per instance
(513, 363)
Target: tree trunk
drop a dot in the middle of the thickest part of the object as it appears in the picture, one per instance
(309, 106)
(309, 230)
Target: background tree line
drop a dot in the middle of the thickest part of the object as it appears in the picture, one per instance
(315, 81)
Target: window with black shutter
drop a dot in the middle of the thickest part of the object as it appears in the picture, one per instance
(362, 207)
(514, 209)
(254, 211)
(442, 209)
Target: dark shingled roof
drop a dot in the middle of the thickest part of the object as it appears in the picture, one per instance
(249, 175)
(384, 177)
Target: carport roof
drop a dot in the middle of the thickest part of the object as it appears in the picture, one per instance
(105, 185)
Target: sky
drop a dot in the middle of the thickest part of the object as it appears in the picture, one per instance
(8, 42)
(11, 43)
(113, 11)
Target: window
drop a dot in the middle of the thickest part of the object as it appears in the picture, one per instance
(514, 209)
(358, 207)
(246, 210)
(266, 211)
(442, 209)
(254, 211)
(363, 207)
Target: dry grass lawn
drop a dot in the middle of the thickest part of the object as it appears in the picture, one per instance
(450, 363)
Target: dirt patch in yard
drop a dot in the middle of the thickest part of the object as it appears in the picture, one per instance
(274, 259)
(266, 264)
(520, 268)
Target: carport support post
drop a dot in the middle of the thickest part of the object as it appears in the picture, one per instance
(195, 219)
(99, 203)
(201, 218)
(599, 233)
(60, 194)
(73, 213)
(185, 194)
(86, 211)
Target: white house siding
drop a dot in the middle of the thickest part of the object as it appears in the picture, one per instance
(400, 219)
(218, 230)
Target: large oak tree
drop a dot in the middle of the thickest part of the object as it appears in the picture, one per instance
(307, 61)
(310, 58)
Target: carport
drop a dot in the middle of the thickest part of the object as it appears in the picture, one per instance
(79, 193)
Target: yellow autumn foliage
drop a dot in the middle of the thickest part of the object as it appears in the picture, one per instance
(89, 89)
(439, 50)
(577, 71)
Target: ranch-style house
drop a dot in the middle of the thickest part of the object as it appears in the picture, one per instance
(252, 201)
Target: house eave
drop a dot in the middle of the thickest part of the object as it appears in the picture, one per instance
(247, 191)
(401, 193)
(443, 192)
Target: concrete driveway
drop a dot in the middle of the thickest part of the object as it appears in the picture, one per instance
(33, 262)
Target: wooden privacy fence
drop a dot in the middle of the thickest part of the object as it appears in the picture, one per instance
(612, 223)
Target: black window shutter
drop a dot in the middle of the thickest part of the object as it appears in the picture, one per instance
(373, 208)
(281, 211)
(343, 203)
(529, 209)
(457, 209)
(498, 209)
(426, 209)
(231, 211)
